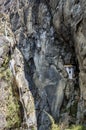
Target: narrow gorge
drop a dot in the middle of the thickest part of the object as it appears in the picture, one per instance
(42, 65)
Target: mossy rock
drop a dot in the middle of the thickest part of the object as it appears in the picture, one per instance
(6, 61)
(55, 127)
(13, 119)
(13, 111)
(78, 127)
(5, 74)
(13, 108)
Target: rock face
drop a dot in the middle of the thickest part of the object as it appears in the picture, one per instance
(10, 109)
(42, 45)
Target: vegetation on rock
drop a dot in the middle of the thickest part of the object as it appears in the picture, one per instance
(13, 111)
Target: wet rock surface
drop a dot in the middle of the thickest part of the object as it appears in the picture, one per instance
(43, 41)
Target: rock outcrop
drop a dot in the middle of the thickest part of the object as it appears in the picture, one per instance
(10, 108)
(42, 64)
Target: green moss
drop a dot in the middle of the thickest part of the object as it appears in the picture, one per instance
(53, 125)
(78, 127)
(6, 61)
(13, 115)
(13, 111)
(13, 119)
(5, 74)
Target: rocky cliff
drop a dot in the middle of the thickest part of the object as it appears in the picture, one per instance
(42, 64)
